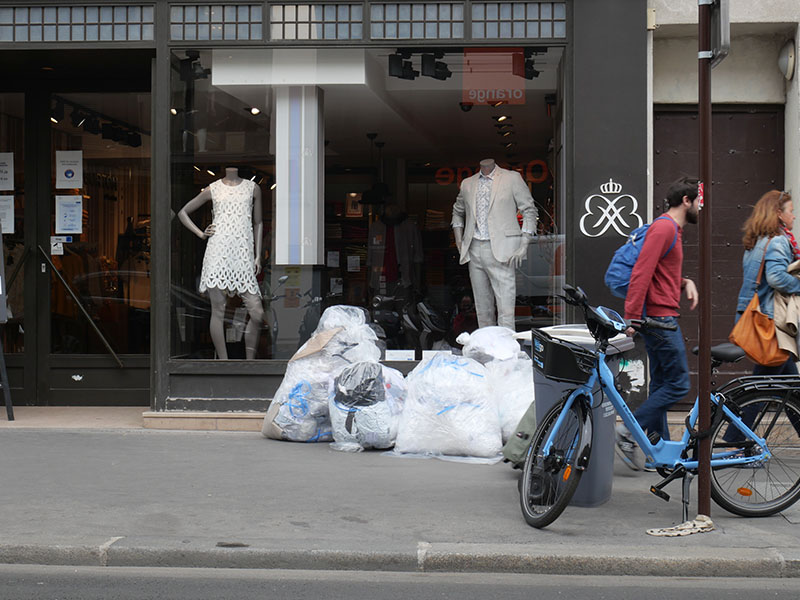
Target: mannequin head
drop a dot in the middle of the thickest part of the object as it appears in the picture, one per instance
(487, 165)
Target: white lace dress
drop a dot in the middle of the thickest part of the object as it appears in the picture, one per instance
(228, 261)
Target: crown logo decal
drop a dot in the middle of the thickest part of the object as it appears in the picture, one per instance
(611, 187)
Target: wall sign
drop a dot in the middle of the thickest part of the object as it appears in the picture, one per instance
(610, 209)
(6, 214)
(69, 169)
(7, 171)
(69, 214)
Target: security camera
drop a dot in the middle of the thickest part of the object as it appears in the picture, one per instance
(465, 106)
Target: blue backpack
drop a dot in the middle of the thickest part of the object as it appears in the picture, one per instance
(618, 274)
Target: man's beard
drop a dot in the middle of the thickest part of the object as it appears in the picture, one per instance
(692, 216)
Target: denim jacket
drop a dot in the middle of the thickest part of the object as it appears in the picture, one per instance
(779, 256)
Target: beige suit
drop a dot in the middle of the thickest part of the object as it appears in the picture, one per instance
(492, 277)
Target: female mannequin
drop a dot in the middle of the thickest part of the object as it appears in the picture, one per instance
(229, 265)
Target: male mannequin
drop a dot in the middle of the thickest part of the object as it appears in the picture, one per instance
(229, 264)
(488, 237)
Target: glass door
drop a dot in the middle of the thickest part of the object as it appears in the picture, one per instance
(12, 227)
(99, 245)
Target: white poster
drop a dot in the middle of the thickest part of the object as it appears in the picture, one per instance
(69, 169)
(353, 264)
(69, 214)
(333, 259)
(7, 214)
(6, 172)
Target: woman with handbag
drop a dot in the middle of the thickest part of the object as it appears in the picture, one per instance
(770, 247)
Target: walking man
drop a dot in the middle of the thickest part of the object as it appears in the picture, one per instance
(655, 291)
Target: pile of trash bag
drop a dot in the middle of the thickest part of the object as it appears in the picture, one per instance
(365, 401)
(490, 343)
(449, 410)
(511, 382)
(299, 410)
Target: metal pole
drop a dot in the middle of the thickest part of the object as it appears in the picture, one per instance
(704, 363)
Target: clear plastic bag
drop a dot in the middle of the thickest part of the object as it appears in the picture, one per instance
(511, 382)
(489, 343)
(299, 410)
(364, 404)
(449, 410)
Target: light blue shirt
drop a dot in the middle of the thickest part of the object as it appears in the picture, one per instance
(482, 202)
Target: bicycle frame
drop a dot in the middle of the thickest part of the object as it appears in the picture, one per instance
(668, 454)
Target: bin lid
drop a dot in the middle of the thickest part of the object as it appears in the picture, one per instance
(578, 333)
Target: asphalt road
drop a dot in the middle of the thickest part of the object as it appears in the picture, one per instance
(33, 582)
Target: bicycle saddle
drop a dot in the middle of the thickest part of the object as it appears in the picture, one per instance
(725, 352)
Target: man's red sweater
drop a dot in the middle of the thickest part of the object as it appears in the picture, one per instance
(656, 279)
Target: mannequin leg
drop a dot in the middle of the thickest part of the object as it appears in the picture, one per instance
(254, 325)
(216, 326)
(481, 284)
(504, 284)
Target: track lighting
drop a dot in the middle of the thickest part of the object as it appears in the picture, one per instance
(434, 68)
(400, 68)
(57, 114)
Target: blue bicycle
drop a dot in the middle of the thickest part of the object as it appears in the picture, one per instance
(755, 431)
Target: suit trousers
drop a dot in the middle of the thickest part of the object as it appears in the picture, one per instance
(494, 286)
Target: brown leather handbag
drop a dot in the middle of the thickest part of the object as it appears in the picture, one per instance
(754, 332)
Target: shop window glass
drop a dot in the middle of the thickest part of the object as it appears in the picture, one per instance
(399, 186)
(12, 195)
(21, 33)
(36, 14)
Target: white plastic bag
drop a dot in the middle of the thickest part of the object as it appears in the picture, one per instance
(299, 411)
(511, 382)
(489, 343)
(365, 407)
(449, 410)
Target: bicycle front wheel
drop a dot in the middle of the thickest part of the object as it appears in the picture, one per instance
(765, 487)
(549, 481)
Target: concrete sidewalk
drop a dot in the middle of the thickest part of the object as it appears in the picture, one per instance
(135, 497)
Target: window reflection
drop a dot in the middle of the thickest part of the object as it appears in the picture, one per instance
(395, 153)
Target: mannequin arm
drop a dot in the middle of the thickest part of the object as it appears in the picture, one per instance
(192, 206)
(521, 252)
(258, 228)
(458, 232)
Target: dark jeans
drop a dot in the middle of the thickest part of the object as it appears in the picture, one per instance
(669, 377)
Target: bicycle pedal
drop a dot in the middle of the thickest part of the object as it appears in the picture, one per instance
(660, 493)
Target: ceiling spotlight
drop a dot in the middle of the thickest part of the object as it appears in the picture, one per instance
(57, 114)
(210, 172)
(498, 103)
(509, 145)
(506, 133)
(400, 68)
(254, 110)
(523, 67)
(134, 139)
(77, 117)
(196, 168)
(501, 118)
(174, 111)
(91, 125)
(273, 186)
(434, 68)
(198, 72)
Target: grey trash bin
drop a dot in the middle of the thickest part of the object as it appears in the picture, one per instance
(595, 485)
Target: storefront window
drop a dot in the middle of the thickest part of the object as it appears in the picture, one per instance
(348, 162)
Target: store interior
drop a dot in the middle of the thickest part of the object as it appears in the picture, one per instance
(396, 147)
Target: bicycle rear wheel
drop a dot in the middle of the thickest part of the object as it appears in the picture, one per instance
(548, 482)
(765, 487)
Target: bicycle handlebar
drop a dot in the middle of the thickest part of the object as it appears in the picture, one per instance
(647, 323)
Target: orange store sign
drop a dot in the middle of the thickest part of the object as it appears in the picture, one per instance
(534, 171)
(489, 76)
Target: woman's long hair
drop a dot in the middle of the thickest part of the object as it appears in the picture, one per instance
(763, 221)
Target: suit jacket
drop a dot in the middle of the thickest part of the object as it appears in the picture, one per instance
(509, 195)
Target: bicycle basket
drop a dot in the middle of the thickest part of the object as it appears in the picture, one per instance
(560, 360)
